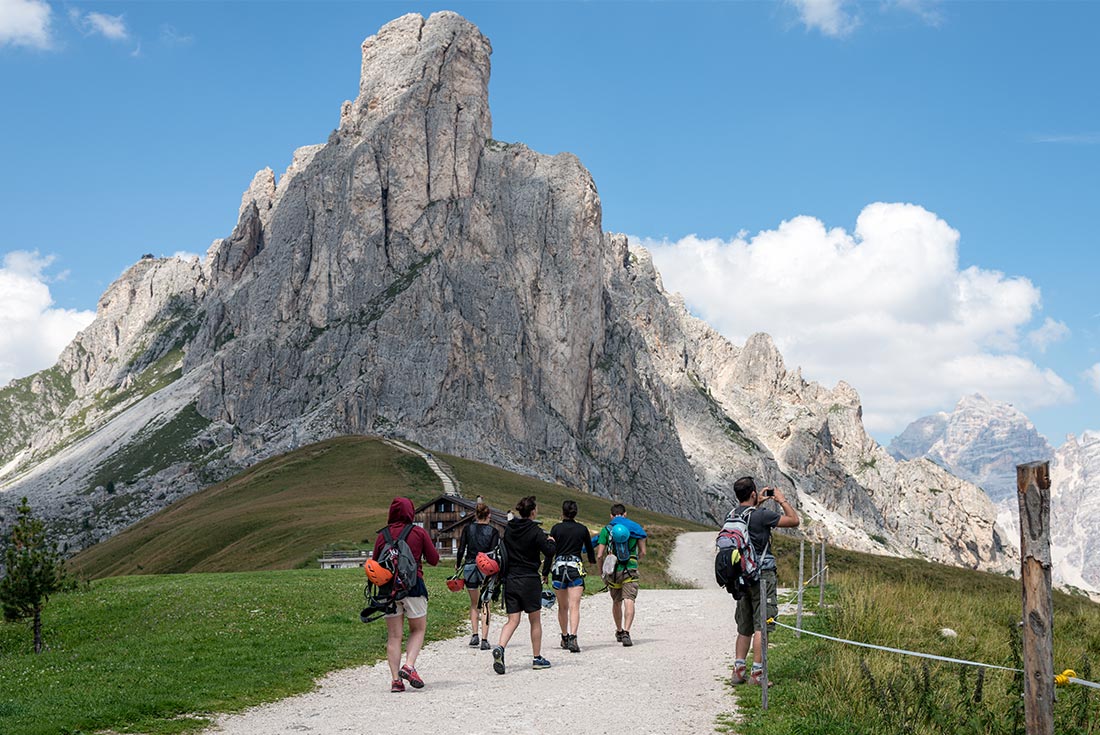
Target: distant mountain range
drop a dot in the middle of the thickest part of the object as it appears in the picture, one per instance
(983, 441)
(414, 277)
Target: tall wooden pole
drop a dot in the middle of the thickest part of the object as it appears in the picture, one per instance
(1033, 494)
(801, 565)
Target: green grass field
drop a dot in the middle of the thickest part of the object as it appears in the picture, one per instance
(826, 688)
(158, 653)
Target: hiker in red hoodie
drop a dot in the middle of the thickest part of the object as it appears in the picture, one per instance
(415, 606)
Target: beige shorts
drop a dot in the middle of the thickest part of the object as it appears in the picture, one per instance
(411, 607)
(629, 588)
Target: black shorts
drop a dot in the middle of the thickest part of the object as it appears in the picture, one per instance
(522, 594)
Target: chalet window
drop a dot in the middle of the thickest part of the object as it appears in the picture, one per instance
(439, 525)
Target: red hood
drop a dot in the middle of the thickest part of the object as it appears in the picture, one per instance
(401, 511)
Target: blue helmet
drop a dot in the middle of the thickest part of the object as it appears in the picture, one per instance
(619, 532)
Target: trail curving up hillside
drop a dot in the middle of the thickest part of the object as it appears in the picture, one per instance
(670, 681)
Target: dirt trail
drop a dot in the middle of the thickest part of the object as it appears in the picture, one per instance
(670, 681)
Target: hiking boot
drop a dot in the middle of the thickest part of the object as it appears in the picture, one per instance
(475, 640)
(757, 677)
(626, 639)
(485, 644)
(572, 645)
(618, 636)
(498, 659)
(565, 642)
(738, 676)
(409, 673)
(538, 662)
(397, 685)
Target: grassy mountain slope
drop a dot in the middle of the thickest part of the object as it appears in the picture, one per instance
(280, 513)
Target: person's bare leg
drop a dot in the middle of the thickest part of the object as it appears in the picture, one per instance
(417, 628)
(617, 614)
(742, 647)
(575, 594)
(475, 612)
(395, 629)
(628, 614)
(509, 628)
(563, 610)
(757, 644)
(535, 619)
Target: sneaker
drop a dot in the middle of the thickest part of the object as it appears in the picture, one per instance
(397, 685)
(572, 646)
(738, 673)
(538, 662)
(485, 644)
(409, 673)
(565, 642)
(498, 659)
(626, 638)
(618, 636)
(757, 677)
(475, 640)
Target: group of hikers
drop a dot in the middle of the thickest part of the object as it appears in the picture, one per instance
(535, 558)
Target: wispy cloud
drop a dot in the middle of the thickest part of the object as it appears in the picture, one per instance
(1092, 375)
(25, 23)
(833, 18)
(1070, 138)
(1052, 331)
(169, 36)
(112, 27)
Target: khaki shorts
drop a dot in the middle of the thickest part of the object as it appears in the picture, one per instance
(748, 607)
(411, 608)
(629, 588)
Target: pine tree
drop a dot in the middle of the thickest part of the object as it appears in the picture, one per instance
(34, 572)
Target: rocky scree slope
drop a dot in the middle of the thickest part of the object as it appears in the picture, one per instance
(414, 277)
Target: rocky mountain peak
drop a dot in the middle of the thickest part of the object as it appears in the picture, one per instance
(981, 440)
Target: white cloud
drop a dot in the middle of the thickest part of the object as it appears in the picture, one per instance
(25, 23)
(1052, 331)
(885, 308)
(32, 332)
(169, 36)
(831, 17)
(1070, 138)
(112, 27)
(1092, 375)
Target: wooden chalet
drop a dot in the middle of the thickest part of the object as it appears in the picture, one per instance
(445, 517)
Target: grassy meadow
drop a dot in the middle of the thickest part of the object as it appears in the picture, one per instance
(827, 688)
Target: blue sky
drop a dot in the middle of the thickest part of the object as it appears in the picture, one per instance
(746, 144)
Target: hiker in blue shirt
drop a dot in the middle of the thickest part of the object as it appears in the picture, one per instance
(760, 523)
(621, 538)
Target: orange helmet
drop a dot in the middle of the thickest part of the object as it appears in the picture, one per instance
(455, 583)
(486, 564)
(377, 573)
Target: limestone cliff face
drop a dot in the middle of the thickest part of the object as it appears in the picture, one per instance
(413, 276)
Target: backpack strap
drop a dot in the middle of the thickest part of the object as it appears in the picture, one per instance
(404, 532)
(387, 535)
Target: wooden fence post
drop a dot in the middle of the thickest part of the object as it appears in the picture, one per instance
(1033, 494)
(764, 642)
(821, 576)
(801, 563)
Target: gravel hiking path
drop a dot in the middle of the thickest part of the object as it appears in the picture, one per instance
(670, 681)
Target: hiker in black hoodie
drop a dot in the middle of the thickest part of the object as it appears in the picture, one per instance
(524, 543)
